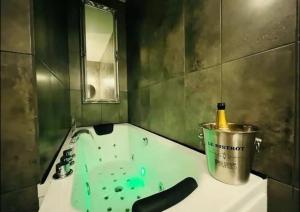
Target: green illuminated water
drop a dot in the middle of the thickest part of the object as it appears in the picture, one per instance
(113, 171)
(112, 185)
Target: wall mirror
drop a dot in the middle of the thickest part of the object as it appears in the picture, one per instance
(99, 59)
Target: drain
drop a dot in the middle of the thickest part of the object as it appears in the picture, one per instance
(112, 173)
(103, 188)
(114, 145)
(109, 209)
(127, 209)
(124, 173)
(118, 189)
(116, 156)
(115, 180)
(121, 167)
(99, 147)
(121, 198)
(106, 197)
(132, 188)
(100, 159)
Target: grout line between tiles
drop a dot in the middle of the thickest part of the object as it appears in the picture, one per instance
(296, 107)
(220, 53)
(260, 52)
(13, 52)
(51, 71)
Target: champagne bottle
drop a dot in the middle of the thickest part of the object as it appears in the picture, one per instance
(221, 122)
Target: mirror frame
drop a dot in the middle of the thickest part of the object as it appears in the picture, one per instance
(83, 69)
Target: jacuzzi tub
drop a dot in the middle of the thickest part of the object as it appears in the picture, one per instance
(113, 171)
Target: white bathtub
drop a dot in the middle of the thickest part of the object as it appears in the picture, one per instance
(124, 161)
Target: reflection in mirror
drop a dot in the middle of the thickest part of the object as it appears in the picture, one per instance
(90, 92)
(100, 77)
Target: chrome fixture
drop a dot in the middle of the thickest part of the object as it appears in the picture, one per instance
(68, 156)
(74, 140)
(68, 153)
(62, 170)
(68, 160)
(81, 131)
(257, 143)
(63, 167)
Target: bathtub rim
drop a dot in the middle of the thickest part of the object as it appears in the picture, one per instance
(43, 188)
(257, 173)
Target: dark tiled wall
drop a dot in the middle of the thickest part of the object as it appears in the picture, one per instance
(51, 66)
(185, 56)
(297, 132)
(282, 197)
(19, 154)
(90, 114)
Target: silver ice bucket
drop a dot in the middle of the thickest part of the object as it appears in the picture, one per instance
(230, 152)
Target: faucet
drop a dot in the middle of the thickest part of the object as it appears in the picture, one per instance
(68, 156)
(63, 167)
(81, 131)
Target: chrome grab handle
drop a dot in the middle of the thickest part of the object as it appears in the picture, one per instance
(201, 137)
(257, 144)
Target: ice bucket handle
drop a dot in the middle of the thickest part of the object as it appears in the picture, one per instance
(201, 136)
(257, 143)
